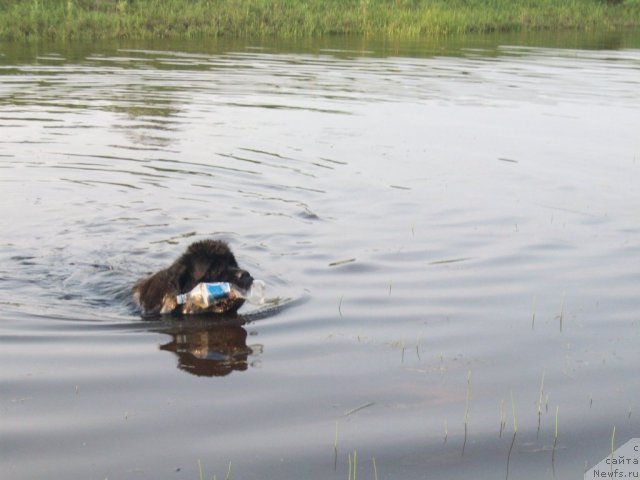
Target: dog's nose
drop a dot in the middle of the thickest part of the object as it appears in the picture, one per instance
(243, 278)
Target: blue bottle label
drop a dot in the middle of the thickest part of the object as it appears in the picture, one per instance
(217, 291)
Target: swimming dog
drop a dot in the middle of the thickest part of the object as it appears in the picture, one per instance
(203, 261)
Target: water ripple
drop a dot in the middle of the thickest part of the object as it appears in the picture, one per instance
(420, 219)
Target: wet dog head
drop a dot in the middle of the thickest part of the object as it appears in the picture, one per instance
(204, 261)
(210, 261)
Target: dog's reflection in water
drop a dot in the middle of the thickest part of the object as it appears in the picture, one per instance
(210, 348)
(214, 345)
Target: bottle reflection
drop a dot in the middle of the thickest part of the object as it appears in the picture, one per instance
(210, 348)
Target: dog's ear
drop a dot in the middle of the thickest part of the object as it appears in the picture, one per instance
(178, 275)
(189, 272)
(198, 268)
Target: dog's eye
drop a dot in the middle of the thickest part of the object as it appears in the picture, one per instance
(239, 274)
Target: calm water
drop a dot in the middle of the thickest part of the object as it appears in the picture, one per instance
(451, 233)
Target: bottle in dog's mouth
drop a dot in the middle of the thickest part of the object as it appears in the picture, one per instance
(220, 297)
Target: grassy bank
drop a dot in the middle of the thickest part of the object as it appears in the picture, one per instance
(84, 19)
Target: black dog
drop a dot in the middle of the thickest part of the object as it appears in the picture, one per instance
(204, 261)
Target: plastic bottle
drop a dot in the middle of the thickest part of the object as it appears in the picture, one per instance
(205, 295)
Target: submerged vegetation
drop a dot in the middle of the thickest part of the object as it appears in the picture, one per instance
(84, 19)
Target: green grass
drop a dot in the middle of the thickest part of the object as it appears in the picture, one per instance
(145, 19)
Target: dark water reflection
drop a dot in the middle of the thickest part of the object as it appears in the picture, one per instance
(209, 350)
(216, 345)
(449, 233)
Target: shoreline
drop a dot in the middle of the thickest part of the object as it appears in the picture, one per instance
(38, 20)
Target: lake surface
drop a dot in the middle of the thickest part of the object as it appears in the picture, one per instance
(450, 235)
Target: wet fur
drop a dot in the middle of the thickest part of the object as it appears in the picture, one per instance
(203, 261)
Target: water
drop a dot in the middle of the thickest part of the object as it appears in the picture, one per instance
(451, 234)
